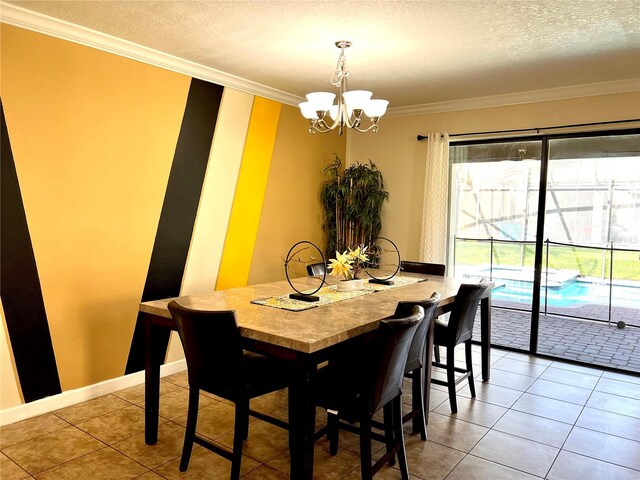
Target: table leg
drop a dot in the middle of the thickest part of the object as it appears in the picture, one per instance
(151, 384)
(485, 336)
(302, 416)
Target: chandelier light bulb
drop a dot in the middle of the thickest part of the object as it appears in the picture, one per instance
(376, 108)
(356, 100)
(308, 111)
(321, 101)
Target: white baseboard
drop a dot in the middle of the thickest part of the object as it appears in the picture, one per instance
(71, 397)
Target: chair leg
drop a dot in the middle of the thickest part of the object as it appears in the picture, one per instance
(451, 378)
(365, 448)
(388, 430)
(245, 425)
(399, 434)
(417, 392)
(333, 432)
(436, 353)
(241, 429)
(190, 432)
(467, 351)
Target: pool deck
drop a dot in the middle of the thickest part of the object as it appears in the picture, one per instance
(592, 342)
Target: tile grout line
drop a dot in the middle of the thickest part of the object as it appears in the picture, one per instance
(489, 429)
(517, 436)
(572, 428)
(602, 433)
(466, 454)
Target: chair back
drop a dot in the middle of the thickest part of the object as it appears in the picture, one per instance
(316, 269)
(394, 336)
(464, 310)
(425, 268)
(415, 358)
(212, 346)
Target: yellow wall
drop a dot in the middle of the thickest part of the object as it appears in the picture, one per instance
(400, 157)
(247, 202)
(93, 137)
(9, 391)
(292, 210)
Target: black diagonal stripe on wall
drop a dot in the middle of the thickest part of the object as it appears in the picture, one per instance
(177, 219)
(20, 287)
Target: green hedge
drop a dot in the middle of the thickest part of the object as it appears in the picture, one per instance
(589, 262)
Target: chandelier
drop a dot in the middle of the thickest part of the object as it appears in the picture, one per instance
(350, 106)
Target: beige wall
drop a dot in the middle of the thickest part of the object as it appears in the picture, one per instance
(400, 157)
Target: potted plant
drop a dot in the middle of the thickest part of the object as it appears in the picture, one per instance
(348, 266)
(352, 200)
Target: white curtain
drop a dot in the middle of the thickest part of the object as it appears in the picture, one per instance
(435, 200)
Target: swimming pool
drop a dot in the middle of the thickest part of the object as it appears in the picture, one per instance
(573, 295)
(566, 288)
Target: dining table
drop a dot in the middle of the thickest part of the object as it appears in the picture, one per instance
(306, 338)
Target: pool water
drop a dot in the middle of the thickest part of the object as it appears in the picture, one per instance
(573, 295)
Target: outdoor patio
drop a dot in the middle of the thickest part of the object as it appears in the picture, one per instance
(587, 341)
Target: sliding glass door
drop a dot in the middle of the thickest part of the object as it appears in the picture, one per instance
(567, 279)
(591, 261)
(493, 218)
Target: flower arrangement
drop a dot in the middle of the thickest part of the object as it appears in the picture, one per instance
(349, 263)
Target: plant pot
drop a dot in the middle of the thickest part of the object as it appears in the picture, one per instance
(350, 285)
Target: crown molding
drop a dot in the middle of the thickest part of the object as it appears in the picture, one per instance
(20, 17)
(532, 96)
(37, 22)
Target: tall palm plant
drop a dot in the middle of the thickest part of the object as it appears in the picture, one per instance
(352, 199)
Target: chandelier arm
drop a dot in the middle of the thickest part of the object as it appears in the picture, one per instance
(335, 124)
(347, 119)
(321, 126)
(373, 126)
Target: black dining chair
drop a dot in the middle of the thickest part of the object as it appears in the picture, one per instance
(316, 269)
(217, 363)
(417, 358)
(365, 380)
(459, 329)
(438, 269)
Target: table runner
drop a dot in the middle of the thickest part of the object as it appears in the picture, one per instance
(329, 295)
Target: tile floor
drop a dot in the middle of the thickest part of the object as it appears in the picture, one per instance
(535, 419)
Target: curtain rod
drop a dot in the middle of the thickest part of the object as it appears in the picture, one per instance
(536, 130)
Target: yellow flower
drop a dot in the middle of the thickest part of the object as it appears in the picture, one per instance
(341, 266)
(358, 254)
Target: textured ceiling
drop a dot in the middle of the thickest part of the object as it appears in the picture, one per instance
(411, 53)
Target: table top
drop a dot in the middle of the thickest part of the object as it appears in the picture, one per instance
(310, 330)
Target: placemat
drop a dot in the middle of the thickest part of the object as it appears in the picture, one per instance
(330, 294)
